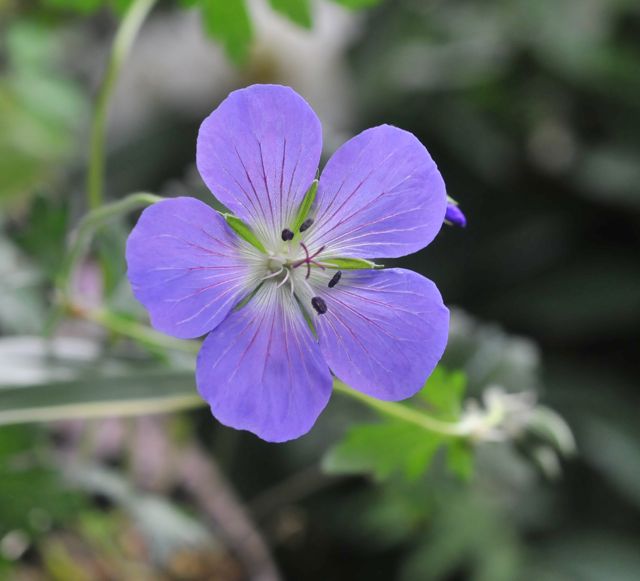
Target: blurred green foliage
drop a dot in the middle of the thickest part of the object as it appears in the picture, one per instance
(392, 446)
(40, 113)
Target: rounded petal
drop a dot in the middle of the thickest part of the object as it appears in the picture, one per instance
(380, 196)
(261, 370)
(384, 331)
(186, 266)
(258, 152)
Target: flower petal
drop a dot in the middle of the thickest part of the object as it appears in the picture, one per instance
(258, 152)
(261, 370)
(186, 266)
(384, 331)
(380, 196)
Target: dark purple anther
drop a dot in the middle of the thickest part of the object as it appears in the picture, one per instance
(306, 224)
(287, 235)
(454, 216)
(335, 279)
(319, 305)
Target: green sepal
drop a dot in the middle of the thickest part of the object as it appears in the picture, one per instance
(352, 264)
(305, 206)
(242, 230)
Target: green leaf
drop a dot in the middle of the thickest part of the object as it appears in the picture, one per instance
(356, 4)
(460, 459)
(297, 11)
(352, 263)
(242, 230)
(305, 206)
(133, 394)
(84, 6)
(383, 450)
(443, 393)
(228, 21)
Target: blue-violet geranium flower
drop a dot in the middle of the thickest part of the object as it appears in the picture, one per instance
(266, 364)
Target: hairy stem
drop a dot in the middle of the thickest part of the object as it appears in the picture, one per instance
(125, 36)
(404, 413)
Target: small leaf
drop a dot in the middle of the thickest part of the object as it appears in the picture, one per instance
(228, 21)
(242, 230)
(305, 206)
(352, 264)
(297, 11)
(383, 450)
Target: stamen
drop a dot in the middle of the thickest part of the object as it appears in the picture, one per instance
(285, 279)
(335, 279)
(306, 224)
(273, 273)
(287, 235)
(319, 305)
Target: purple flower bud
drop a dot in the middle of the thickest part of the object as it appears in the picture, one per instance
(454, 216)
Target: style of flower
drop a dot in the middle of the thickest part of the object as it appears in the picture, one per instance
(291, 299)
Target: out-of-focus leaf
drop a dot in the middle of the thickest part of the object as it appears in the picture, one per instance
(382, 450)
(355, 4)
(165, 528)
(39, 113)
(132, 394)
(460, 459)
(31, 486)
(298, 11)
(84, 6)
(228, 21)
(443, 393)
(394, 446)
(44, 232)
(22, 308)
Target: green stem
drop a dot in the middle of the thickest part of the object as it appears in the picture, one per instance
(138, 332)
(404, 413)
(89, 224)
(125, 36)
(399, 411)
(80, 243)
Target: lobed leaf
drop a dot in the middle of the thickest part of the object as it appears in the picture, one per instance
(383, 450)
(228, 22)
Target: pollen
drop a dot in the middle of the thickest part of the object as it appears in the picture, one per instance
(319, 305)
(306, 224)
(287, 235)
(335, 279)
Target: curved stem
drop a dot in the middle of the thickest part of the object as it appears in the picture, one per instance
(125, 36)
(80, 243)
(91, 222)
(404, 413)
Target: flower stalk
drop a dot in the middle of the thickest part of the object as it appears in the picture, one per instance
(123, 41)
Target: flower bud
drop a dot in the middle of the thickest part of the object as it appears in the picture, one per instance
(454, 216)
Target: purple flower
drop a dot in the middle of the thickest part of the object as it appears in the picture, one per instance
(454, 216)
(261, 367)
